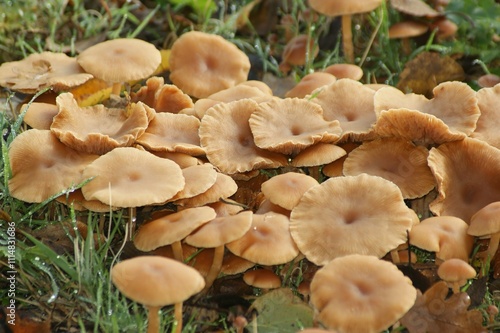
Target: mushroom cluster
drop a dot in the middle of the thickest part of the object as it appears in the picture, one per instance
(202, 148)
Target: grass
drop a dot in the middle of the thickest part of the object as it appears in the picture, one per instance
(72, 288)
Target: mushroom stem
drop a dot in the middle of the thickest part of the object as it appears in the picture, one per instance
(153, 319)
(455, 286)
(347, 38)
(216, 266)
(493, 246)
(177, 250)
(178, 317)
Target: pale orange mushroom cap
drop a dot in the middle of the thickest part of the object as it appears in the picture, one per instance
(223, 188)
(202, 64)
(360, 294)
(345, 71)
(290, 125)
(285, 190)
(42, 166)
(120, 60)
(41, 70)
(297, 52)
(226, 136)
(414, 8)
(397, 160)
(199, 178)
(466, 175)
(262, 278)
(309, 83)
(318, 154)
(98, 129)
(331, 221)
(129, 177)
(455, 272)
(406, 29)
(488, 123)
(40, 115)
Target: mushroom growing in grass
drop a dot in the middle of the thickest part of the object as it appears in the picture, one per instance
(455, 272)
(486, 222)
(156, 282)
(360, 294)
(298, 51)
(120, 60)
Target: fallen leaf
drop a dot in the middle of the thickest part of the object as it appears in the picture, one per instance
(280, 311)
(426, 71)
(434, 312)
(92, 92)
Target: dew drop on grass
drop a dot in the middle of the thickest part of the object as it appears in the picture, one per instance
(37, 258)
(52, 298)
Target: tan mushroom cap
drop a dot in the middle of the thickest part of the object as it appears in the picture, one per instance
(406, 29)
(171, 228)
(485, 221)
(40, 115)
(354, 111)
(199, 178)
(42, 166)
(456, 272)
(129, 177)
(394, 159)
(183, 160)
(488, 81)
(221, 230)
(77, 200)
(286, 189)
(98, 129)
(343, 7)
(120, 60)
(330, 221)
(309, 83)
(345, 71)
(335, 168)
(223, 188)
(414, 8)
(41, 70)
(298, 51)
(228, 141)
(171, 99)
(173, 133)
(318, 154)
(466, 174)
(147, 93)
(156, 281)
(290, 125)
(267, 242)
(488, 123)
(450, 115)
(361, 294)
(445, 235)
(262, 278)
(215, 63)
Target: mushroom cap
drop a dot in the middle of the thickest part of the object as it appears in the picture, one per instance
(345, 71)
(290, 125)
(343, 7)
(485, 221)
(298, 51)
(318, 154)
(42, 166)
(414, 8)
(488, 81)
(215, 63)
(286, 189)
(221, 230)
(330, 221)
(129, 177)
(466, 174)
(361, 294)
(226, 136)
(488, 123)
(173, 133)
(98, 129)
(394, 159)
(262, 278)
(267, 242)
(41, 70)
(406, 29)
(40, 115)
(171, 228)
(156, 281)
(354, 111)
(455, 270)
(445, 235)
(309, 83)
(199, 178)
(120, 60)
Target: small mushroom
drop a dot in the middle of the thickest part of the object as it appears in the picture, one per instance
(299, 50)
(486, 222)
(286, 189)
(262, 278)
(155, 282)
(455, 272)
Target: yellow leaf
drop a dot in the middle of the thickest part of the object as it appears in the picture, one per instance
(91, 92)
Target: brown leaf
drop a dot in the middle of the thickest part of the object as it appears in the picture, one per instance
(426, 71)
(433, 312)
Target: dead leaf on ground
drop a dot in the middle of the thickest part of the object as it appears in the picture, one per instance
(433, 312)
(426, 71)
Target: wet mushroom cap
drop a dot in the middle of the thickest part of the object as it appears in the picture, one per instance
(285, 190)
(156, 281)
(361, 294)
(262, 278)
(456, 270)
(485, 221)
(215, 63)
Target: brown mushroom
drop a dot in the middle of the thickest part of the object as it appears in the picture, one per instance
(486, 222)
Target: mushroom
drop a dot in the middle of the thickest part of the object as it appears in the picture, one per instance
(262, 278)
(360, 294)
(120, 60)
(285, 190)
(404, 31)
(223, 188)
(309, 83)
(414, 7)
(345, 71)
(215, 234)
(345, 8)
(172, 229)
(155, 282)
(215, 63)
(330, 221)
(489, 120)
(199, 179)
(39, 115)
(455, 272)
(486, 222)
(42, 166)
(298, 51)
